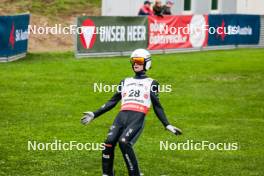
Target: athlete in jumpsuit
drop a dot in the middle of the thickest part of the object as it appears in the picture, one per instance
(136, 95)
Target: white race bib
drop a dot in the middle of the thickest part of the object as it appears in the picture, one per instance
(136, 94)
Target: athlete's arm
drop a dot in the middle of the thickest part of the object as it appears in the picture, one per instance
(111, 103)
(158, 109)
(89, 116)
(108, 105)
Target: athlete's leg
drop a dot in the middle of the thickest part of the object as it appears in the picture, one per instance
(126, 141)
(108, 153)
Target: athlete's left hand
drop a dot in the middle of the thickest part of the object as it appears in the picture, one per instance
(87, 118)
(174, 129)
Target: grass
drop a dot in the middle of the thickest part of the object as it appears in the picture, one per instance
(217, 96)
(51, 8)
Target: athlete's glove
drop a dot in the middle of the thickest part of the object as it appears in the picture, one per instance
(174, 130)
(87, 118)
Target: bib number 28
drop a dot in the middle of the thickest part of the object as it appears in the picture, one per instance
(134, 93)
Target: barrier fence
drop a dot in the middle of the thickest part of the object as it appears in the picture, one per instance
(13, 36)
(117, 36)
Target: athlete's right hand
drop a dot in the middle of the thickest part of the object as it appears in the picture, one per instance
(87, 118)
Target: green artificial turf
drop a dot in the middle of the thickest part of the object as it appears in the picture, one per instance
(217, 96)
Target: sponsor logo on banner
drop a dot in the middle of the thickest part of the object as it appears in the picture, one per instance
(223, 30)
(88, 35)
(198, 34)
(12, 36)
(177, 31)
(120, 32)
(17, 35)
(233, 29)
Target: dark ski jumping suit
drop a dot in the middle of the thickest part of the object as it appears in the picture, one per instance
(136, 94)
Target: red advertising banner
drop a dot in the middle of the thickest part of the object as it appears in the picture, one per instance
(169, 32)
